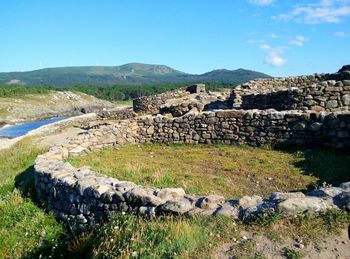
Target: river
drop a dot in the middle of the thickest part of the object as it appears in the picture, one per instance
(22, 129)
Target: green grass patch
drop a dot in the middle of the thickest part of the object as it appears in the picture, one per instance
(24, 226)
(230, 171)
(123, 102)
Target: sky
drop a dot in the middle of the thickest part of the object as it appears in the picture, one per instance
(277, 37)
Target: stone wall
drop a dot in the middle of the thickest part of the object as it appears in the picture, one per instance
(294, 93)
(152, 104)
(120, 113)
(83, 198)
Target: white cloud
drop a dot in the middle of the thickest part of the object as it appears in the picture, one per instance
(297, 41)
(265, 46)
(339, 34)
(261, 2)
(275, 59)
(325, 11)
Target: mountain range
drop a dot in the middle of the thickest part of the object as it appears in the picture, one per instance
(132, 73)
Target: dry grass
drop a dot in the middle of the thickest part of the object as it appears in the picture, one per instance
(230, 171)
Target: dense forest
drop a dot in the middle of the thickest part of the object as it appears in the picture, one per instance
(111, 93)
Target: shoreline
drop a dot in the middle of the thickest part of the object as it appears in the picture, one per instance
(46, 129)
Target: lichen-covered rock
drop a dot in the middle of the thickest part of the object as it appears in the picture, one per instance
(251, 212)
(294, 206)
(326, 192)
(210, 202)
(281, 196)
(247, 201)
(171, 194)
(229, 209)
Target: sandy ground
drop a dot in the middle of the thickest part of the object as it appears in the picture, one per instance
(336, 246)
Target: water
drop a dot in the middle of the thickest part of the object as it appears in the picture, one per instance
(22, 129)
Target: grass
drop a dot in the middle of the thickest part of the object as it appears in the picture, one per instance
(123, 102)
(23, 225)
(27, 231)
(230, 171)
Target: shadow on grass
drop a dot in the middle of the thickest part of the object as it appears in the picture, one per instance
(329, 165)
(69, 245)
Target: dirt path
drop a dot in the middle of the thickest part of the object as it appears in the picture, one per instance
(336, 246)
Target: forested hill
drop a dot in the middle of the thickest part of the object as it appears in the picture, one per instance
(133, 73)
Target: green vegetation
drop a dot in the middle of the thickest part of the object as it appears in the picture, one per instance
(110, 93)
(231, 171)
(27, 231)
(18, 90)
(23, 225)
(128, 74)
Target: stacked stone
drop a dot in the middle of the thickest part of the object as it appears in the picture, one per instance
(264, 86)
(328, 95)
(83, 198)
(151, 104)
(117, 113)
(252, 127)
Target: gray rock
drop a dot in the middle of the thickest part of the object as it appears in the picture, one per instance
(265, 207)
(176, 207)
(143, 196)
(325, 192)
(247, 201)
(171, 194)
(281, 196)
(294, 206)
(150, 130)
(345, 186)
(346, 99)
(229, 210)
(210, 202)
(332, 104)
(342, 200)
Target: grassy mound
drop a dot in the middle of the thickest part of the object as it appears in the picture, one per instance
(230, 171)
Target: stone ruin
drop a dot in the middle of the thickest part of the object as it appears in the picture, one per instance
(297, 111)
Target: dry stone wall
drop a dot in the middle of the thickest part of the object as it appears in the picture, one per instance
(296, 93)
(152, 104)
(83, 198)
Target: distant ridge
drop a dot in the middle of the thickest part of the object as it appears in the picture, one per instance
(132, 73)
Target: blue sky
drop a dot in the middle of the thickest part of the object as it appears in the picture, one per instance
(278, 37)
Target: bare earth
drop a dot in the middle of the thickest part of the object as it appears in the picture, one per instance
(337, 246)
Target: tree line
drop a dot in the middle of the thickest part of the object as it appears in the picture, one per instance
(109, 92)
